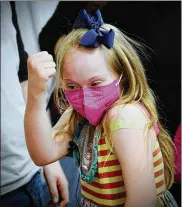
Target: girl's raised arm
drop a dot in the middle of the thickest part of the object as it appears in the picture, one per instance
(42, 148)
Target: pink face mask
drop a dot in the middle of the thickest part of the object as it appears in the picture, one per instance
(91, 103)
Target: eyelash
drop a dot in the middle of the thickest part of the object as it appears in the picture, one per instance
(74, 87)
(71, 86)
(95, 83)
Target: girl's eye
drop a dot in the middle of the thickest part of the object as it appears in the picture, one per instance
(96, 83)
(71, 87)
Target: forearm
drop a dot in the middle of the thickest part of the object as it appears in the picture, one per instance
(41, 146)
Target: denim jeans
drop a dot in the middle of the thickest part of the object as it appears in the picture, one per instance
(72, 173)
(33, 194)
(36, 192)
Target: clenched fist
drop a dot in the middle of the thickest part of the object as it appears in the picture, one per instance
(40, 68)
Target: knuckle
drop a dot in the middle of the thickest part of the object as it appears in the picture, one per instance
(45, 52)
(54, 70)
(50, 56)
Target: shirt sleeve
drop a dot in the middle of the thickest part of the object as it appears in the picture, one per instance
(23, 71)
(23, 56)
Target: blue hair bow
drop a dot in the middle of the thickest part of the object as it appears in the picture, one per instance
(95, 36)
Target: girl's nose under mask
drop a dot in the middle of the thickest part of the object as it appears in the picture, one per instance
(91, 103)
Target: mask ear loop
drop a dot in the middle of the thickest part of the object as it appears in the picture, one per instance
(119, 80)
(118, 84)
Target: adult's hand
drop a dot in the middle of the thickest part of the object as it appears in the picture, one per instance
(58, 184)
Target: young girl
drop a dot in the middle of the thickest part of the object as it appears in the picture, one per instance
(110, 120)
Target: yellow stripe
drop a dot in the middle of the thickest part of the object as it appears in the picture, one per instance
(106, 157)
(156, 145)
(103, 147)
(102, 201)
(121, 124)
(109, 169)
(159, 167)
(108, 180)
(161, 189)
(159, 178)
(157, 157)
(103, 191)
(109, 145)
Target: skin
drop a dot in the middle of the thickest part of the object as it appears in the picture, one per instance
(54, 174)
(81, 70)
(86, 69)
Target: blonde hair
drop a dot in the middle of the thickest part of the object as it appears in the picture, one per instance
(124, 59)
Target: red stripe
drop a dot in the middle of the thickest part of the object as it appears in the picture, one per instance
(108, 163)
(101, 141)
(160, 183)
(108, 185)
(103, 152)
(109, 174)
(158, 162)
(156, 151)
(91, 201)
(158, 173)
(104, 196)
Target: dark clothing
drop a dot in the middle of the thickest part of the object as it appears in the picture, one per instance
(23, 56)
(34, 194)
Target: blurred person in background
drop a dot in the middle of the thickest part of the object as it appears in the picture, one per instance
(176, 189)
(22, 182)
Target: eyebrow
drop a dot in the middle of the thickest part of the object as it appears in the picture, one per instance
(90, 79)
(95, 77)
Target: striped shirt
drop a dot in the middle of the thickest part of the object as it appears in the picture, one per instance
(107, 188)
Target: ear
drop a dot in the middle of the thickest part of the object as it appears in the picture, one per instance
(58, 44)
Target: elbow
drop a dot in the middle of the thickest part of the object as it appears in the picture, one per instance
(39, 163)
(40, 160)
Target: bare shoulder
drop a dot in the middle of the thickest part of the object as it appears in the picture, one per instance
(129, 111)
